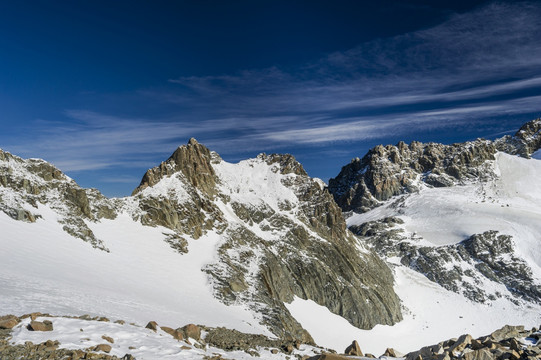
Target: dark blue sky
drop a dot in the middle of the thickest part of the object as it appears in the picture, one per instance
(107, 89)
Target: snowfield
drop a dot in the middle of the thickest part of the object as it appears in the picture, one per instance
(141, 279)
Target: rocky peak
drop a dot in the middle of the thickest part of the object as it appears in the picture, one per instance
(525, 142)
(386, 171)
(192, 160)
(281, 236)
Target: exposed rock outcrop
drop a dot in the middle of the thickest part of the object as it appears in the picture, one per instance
(185, 203)
(8, 321)
(525, 142)
(192, 161)
(386, 171)
(463, 267)
(26, 183)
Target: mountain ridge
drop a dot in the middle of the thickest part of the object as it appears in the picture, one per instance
(387, 171)
(292, 238)
(270, 236)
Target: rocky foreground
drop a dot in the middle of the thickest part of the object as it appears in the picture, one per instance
(80, 338)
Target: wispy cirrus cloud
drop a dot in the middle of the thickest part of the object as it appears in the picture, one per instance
(477, 67)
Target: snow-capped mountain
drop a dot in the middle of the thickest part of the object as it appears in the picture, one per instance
(464, 215)
(462, 220)
(412, 244)
(200, 240)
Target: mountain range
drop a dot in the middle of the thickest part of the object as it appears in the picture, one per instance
(410, 244)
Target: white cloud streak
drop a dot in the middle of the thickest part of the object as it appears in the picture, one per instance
(473, 67)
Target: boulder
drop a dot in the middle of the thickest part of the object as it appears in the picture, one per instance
(46, 325)
(288, 348)
(152, 325)
(425, 352)
(391, 352)
(482, 354)
(477, 344)
(506, 332)
(192, 331)
(175, 333)
(515, 345)
(106, 348)
(108, 338)
(461, 343)
(513, 355)
(8, 321)
(354, 349)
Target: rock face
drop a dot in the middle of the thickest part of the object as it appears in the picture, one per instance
(464, 268)
(183, 201)
(387, 171)
(25, 184)
(525, 142)
(282, 235)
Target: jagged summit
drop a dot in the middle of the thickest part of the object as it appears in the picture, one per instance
(192, 160)
(387, 171)
(272, 209)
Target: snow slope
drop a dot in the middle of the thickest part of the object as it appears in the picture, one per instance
(431, 314)
(510, 204)
(141, 279)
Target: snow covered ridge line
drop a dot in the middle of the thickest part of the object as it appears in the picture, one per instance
(388, 171)
(41, 336)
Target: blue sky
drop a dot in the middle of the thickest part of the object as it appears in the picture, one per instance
(105, 90)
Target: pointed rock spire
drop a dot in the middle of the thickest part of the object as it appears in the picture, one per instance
(193, 160)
